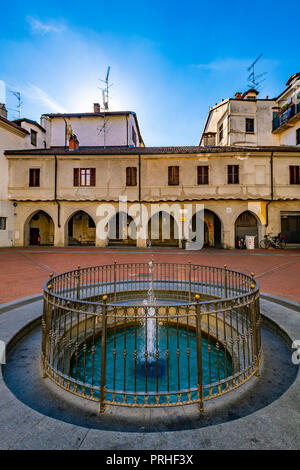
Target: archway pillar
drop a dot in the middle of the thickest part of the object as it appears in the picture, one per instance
(59, 236)
(101, 242)
(141, 243)
(228, 236)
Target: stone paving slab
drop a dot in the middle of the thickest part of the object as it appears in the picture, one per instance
(24, 271)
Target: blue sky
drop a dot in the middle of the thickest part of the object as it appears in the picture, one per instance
(170, 61)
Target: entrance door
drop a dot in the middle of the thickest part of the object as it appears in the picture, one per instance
(34, 236)
(290, 225)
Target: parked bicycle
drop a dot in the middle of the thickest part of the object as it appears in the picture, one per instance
(277, 241)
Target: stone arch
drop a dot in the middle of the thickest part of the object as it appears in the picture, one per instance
(122, 229)
(80, 229)
(163, 229)
(213, 228)
(39, 229)
(247, 223)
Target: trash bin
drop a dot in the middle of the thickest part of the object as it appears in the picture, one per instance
(250, 240)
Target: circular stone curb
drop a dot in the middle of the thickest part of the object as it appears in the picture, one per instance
(276, 426)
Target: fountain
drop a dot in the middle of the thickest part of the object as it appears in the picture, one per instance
(149, 357)
(142, 345)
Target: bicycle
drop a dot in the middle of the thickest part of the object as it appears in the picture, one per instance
(277, 241)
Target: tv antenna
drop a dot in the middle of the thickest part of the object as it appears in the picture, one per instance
(17, 94)
(105, 90)
(105, 99)
(254, 80)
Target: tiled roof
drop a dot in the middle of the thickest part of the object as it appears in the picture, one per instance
(19, 122)
(151, 150)
(13, 124)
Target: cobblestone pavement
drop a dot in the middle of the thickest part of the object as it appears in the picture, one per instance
(23, 271)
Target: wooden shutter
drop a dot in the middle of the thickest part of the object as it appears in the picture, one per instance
(31, 177)
(173, 175)
(93, 176)
(133, 176)
(170, 175)
(76, 177)
(236, 174)
(176, 175)
(128, 178)
(37, 177)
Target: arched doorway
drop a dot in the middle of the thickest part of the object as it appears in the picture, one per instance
(121, 230)
(212, 228)
(163, 230)
(39, 229)
(81, 229)
(246, 224)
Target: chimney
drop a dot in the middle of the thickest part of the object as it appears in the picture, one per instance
(73, 142)
(96, 108)
(238, 95)
(3, 110)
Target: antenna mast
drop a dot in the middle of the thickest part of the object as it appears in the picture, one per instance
(105, 99)
(253, 79)
(17, 94)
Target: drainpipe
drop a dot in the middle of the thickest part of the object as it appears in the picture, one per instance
(55, 193)
(139, 178)
(140, 192)
(65, 133)
(272, 190)
(127, 133)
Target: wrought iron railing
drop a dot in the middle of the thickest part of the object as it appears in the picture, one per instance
(292, 111)
(205, 333)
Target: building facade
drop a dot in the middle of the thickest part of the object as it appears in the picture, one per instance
(244, 191)
(249, 121)
(88, 179)
(13, 135)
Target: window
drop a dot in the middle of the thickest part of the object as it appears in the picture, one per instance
(233, 174)
(173, 175)
(202, 175)
(294, 174)
(249, 125)
(298, 136)
(34, 177)
(84, 177)
(134, 136)
(33, 137)
(2, 223)
(220, 132)
(131, 176)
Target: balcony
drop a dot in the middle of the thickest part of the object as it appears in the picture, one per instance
(286, 119)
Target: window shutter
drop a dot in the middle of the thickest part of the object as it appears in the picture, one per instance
(176, 175)
(206, 175)
(76, 177)
(236, 177)
(134, 176)
(127, 176)
(93, 176)
(37, 177)
(170, 175)
(30, 177)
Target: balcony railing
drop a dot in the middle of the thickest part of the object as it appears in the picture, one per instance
(287, 116)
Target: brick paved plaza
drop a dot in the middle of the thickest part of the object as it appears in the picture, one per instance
(24, 271)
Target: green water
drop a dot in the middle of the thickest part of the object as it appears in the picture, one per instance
(120, 374)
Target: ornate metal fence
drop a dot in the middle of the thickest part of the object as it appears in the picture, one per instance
(103, 340)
